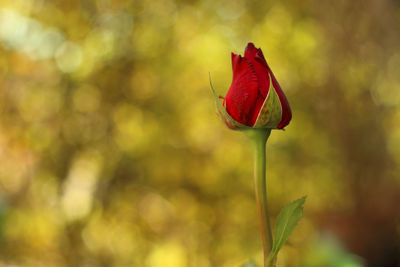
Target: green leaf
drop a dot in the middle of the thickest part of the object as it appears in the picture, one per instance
(249, 264)
(285, 224)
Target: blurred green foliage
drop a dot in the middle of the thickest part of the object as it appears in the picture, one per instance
(111, 153)
(327, 252)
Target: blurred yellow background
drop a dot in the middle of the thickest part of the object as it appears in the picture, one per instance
(111, 152)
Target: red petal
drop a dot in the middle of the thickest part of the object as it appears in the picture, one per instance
(286, 112)
(243, 99)
(252, 54)
(250, 51)
(256, 57)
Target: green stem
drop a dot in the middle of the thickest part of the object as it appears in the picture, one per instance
(259, 139)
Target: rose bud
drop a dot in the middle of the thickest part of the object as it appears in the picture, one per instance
(255, 99)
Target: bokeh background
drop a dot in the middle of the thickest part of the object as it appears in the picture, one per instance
(111, 152)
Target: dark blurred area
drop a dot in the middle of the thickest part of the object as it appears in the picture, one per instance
(111, 152)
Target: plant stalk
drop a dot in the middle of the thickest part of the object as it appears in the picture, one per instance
(259, 139)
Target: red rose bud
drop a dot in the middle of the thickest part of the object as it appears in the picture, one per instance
(255, 98)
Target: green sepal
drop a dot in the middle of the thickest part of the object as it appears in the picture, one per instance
(271, 111)
(287, 220)
(226, 118)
